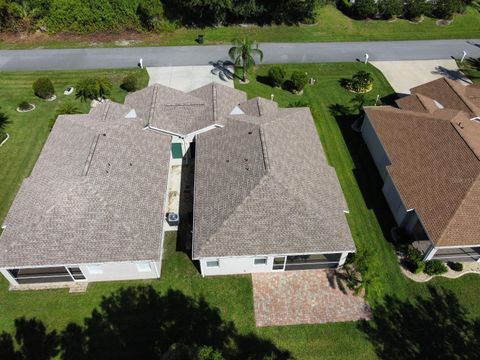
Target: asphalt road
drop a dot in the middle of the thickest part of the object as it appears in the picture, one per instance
(92, 58)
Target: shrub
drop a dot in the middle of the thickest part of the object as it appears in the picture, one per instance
(67, 108)
(43, 88)
(361, 82)
(414, 9)
(276, 74)
(130, 83)
(414, 260)
(435, 267)
(298, 81)
(93, 88)
(390, 8)
(455, 266)
(24, 105)
(365, 8)
(444, 9)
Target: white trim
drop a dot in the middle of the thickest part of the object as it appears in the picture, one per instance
(183, 136)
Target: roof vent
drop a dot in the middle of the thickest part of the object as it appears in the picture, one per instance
(237, 111)
(476, 118)
(438, 105)
(132, 114)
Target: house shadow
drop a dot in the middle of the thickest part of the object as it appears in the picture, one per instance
(140, 323)
(185, 211)
(365, 171)
(427, 328)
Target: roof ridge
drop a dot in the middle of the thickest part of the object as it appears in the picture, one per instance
(151, 113)
(260, 181)
(461, 96)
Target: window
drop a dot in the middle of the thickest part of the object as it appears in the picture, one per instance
(260, 261)
(143, 266)
(213, 263)
(94, 269)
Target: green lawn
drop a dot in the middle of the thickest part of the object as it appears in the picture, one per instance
(330, 25)
(28, 131)
(368, 219)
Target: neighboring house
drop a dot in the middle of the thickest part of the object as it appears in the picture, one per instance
(428, 154)
(93, 208)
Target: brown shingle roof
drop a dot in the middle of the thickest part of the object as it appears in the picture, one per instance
(435, 160)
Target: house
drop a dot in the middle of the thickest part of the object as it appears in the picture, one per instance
(93, 208)
(427, 151)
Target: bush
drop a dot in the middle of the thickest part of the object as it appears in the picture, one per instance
(390, 8)
(24, 105)
(414, 9)
(365, 8)
(93, 88)
(43, 88)
(455, 266)
(276, 74)
(130, 83)
(298, 81)
(414, 260)
(361, 82)
(150, 14)
(444, 9)
(435, 267)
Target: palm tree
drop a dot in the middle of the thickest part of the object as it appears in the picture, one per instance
(67, 108)
(243, 52)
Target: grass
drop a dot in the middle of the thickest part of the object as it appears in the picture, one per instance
(368, 220)
(28, 131)
(330, 25)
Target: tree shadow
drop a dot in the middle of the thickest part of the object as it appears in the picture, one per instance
(365, 171)
(139, 323)
(32, 341)
(263, 79)
(435, 327)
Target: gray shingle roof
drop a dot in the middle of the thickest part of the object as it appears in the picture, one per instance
(263, 186)
(96, 194)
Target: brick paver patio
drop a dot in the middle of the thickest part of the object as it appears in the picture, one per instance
(303, 297)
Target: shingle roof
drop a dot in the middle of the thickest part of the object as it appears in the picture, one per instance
(263, 186)
(96, 194)
(435, 161)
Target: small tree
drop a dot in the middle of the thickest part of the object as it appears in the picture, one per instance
(130, 83)
(276, 75)
(242, 53)
(390, 8)
(414, 9)
(43, 88)
(150, 14)
(444, 9)
(365, 8)
(299, 80)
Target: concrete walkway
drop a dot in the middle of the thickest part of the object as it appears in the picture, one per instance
(303, 297)
(96, 58)
(185, 78)
(404, 75)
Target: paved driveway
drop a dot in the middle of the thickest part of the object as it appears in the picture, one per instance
(403, 75)
(303, 297)
(185, 78)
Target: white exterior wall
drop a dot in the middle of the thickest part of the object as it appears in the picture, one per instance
(394, 201)
(375, 147)
(120, 271)
(235, 265)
